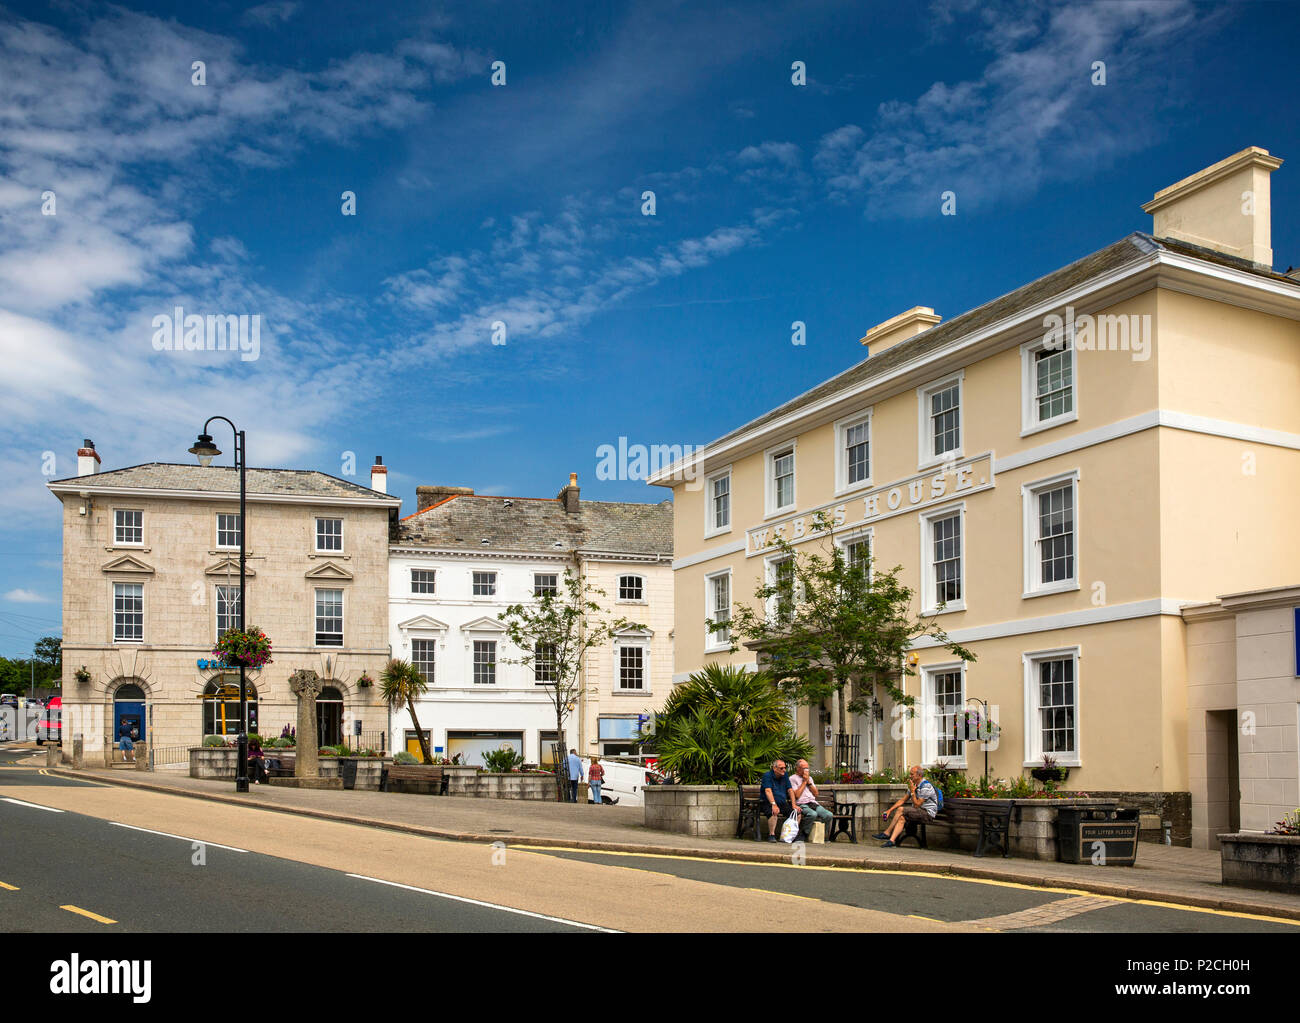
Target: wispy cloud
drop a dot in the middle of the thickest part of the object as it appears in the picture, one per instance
(21, 596)
(1033, 115)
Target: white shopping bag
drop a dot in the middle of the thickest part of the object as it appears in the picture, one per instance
(790, 829)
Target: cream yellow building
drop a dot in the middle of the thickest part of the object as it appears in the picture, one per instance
(151, 576)
(1059, 472)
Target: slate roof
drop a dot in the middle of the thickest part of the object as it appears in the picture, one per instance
(223, 479)
(535, 525)
(1132, 248)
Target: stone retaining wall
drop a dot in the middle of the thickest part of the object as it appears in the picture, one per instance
(1270, 862)
(706, 811)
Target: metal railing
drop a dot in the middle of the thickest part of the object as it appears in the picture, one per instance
(163, 757)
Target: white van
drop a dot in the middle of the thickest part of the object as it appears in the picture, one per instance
(624, 779)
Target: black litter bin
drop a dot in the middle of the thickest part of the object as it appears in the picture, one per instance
(1100, 835)
(348, 772)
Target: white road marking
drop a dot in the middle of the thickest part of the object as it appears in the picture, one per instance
(34, 806)
(165, 834)
(487, 905)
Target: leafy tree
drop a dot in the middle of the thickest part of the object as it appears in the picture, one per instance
(12, 676)
(49, 649)
(829, 623)
(725, 725)
(554, 635)
(402, 683)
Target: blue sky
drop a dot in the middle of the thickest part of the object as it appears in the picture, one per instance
(522, 203)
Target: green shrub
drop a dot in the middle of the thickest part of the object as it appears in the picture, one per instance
(253, 737)
(502, 761)
(402, 757)
(213, 740)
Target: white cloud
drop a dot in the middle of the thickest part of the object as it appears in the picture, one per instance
(27, 597)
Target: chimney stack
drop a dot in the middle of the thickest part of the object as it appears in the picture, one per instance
(569, 495)
(1225, 207)
(379, 475)
(426, 497)
(899, 328)
(87, 458)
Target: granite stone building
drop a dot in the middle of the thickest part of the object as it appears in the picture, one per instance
(1072, 476)
(461, 559)
(151, 577)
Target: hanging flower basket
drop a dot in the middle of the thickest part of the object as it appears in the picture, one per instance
(365, 681)
(82, 676)
(975, 727)
(247, 649)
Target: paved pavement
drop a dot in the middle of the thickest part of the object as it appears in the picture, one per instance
(1163, 873)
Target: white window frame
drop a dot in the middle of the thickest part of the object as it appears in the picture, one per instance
(709, 528)
(842, 427)
(632, 638)
(631, 600)
(867, 535)
(1033, 731)
(473, 661)
(929, 604)
(316, 534)
(554, 665)
(238, 531)
(112, 623)
(343, 615)
(128, 543)
(924, 441)
(553, 575)
(1029, 493)
(769, 579)
(472, 583)
(769, 479)
(216, 607)
(432, 583)
(712, 642)
(1029, 421)
(929, 718)
(434, 644)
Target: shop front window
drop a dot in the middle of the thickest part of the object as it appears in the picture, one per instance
(221, 706)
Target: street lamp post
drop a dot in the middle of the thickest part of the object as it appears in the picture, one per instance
(205, 451)
(987, 729)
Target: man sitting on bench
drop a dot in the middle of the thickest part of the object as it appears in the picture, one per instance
(774, 790)
(804, 790)
(919, 806)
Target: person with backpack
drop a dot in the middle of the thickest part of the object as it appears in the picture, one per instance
(920, 805)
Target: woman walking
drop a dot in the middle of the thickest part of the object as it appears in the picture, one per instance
(595, 776)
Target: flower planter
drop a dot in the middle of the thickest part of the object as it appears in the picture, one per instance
(369, 770)
(705, 811)
(1046, 774)
(514, 785)
(1032, 833)
(1269, 862)
(213, 762)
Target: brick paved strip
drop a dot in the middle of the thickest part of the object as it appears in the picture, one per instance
(1052, 912)
(1014, 872)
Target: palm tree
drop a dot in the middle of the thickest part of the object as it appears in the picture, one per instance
(401, 682)
(725, 725)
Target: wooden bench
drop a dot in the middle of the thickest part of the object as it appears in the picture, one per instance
(753, 813)
(990, 819)
(279, 764)
(414, 772)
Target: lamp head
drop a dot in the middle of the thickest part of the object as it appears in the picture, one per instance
(205, 450)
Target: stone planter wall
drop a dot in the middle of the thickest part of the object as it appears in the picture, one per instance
(706, 811)
(462, 780)
(1032, 833)
(868, 801)
(214, 762)
(1270, 862)
(369, 770)
(515, 786)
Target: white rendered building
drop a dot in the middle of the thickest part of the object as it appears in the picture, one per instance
(462, 559)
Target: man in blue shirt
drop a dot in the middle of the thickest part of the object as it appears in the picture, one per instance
(575, 775)
(775, 792)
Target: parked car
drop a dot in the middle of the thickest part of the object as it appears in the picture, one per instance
(624, 779)
(8, 700)
(50, 725)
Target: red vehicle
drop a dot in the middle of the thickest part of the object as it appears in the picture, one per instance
(50, 724)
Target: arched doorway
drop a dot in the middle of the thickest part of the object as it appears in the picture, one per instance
(129, 716)
(221, 705)
(329, 716)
